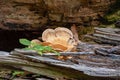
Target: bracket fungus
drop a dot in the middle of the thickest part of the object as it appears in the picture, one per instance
(60, 39)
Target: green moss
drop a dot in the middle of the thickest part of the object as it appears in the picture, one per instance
(83, 31)
(113, 13)
(105, 26)
(111, 18)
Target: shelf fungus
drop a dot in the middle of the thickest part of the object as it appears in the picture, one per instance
(60, 39)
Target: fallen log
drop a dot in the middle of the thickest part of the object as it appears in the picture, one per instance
(106, 36)
(102, 40)
(88, 63)
(109, 51)
(108, 30)
(80, 66)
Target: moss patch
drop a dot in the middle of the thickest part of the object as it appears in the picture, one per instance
(113, 13)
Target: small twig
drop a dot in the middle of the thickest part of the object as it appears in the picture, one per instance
(75, 34)
(33, 53)
(69, 53)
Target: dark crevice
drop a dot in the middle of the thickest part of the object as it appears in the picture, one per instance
(10, 39)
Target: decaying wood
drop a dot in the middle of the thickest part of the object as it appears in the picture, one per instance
(82, 66)
(34, 53)
(109, 34)
(89, 63)
(108, 51)
(108, 30)
(75, 33)
(102, 40)
(34, 14)
(106, 35)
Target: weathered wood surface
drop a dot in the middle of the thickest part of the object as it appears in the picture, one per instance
(106, 35)
(36, 14)
(82, 65)
(108, 51)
